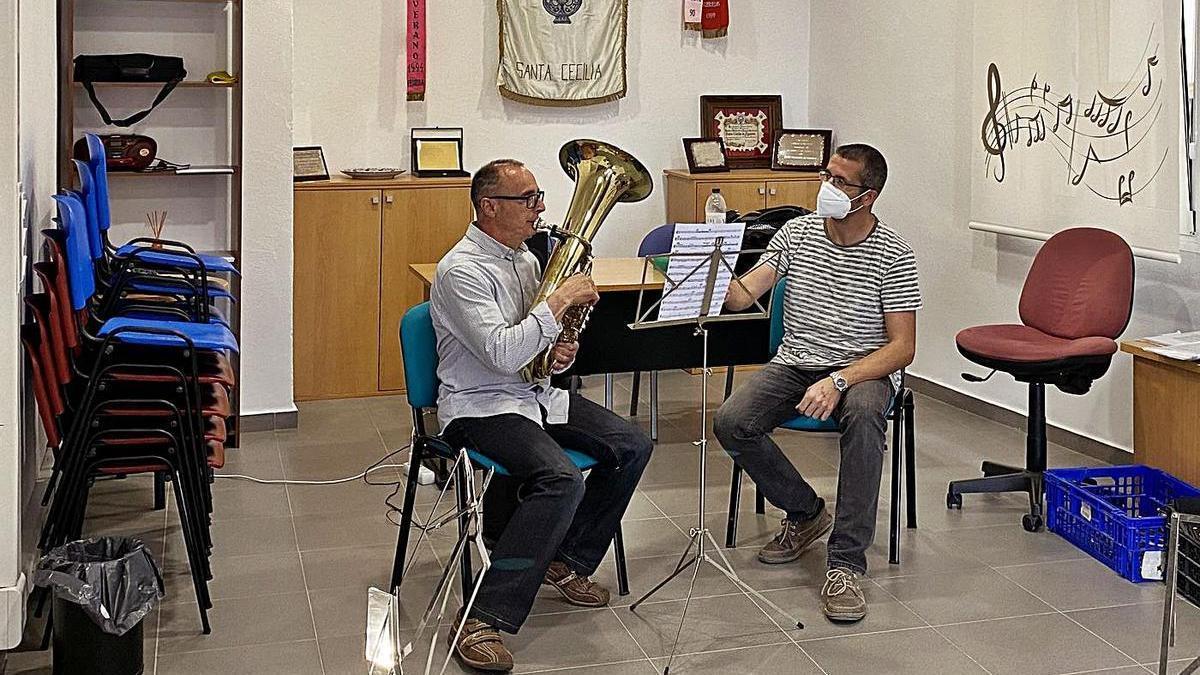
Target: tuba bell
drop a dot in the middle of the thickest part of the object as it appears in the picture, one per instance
(604, 175)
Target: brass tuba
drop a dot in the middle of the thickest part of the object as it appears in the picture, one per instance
(604, 175)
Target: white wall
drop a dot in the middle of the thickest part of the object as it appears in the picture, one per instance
(893, 79)
(34, 119)
(266, 337)
(10, 446)
(350, 91)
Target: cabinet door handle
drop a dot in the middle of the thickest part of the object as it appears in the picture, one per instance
(388, 199)
(762, 191)
(774, 192)
(375, 201)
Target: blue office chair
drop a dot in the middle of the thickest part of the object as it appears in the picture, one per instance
(418, 347)
(900, 412)
(656, 242)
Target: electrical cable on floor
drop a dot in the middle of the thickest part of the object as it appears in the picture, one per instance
(364, 476)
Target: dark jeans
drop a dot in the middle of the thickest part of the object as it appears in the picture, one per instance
(744, 425)
(550, 512)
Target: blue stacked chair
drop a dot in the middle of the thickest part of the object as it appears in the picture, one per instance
(144, 373)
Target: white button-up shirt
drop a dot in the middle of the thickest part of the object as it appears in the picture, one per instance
(486, 332)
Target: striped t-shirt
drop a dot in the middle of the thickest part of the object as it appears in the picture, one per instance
(835, 296)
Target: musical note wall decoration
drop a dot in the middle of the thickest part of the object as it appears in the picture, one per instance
(1112, 130)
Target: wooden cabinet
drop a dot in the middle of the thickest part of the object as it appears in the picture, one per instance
(335, 293)
(1166, 412)
(353, 244)
(744, 190)
(419, 226)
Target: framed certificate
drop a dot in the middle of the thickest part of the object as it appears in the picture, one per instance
(705, 155)
(437, 152)
(746, 124)
(801, 149)
(308, 163)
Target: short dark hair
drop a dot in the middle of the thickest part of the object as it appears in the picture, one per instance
(488, 177)
(874, 171)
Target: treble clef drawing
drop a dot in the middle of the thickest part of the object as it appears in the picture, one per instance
(993, 131)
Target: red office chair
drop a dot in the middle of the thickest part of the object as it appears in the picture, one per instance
(1077, 298)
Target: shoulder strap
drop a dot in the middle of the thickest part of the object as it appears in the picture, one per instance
(167, 88)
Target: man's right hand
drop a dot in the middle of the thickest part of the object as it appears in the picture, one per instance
(577, 289)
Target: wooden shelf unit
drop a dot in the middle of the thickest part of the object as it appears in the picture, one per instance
(182, 173)
(186, 83)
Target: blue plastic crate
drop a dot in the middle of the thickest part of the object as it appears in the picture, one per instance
(1115, 514)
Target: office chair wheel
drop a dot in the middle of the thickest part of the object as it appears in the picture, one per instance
(953, 501)
(1032, 522)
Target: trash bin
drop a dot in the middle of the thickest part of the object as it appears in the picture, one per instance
(103, 588)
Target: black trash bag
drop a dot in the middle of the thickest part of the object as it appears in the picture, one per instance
(113, 579)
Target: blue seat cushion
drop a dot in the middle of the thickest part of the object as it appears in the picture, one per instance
(177, 289)
(213, 316)
(806, 423)
(166, 258)
(581, 461)
(206, 336)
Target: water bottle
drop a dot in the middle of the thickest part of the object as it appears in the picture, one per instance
(714, 208)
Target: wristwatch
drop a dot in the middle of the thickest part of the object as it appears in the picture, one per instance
(839, 381)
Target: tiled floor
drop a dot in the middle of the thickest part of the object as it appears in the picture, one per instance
(974, 593)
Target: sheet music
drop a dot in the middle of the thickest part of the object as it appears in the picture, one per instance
(1181, 346)
(698, 239)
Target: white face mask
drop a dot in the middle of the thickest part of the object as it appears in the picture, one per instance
(833, 203)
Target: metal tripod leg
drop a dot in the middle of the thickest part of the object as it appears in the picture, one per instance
(725, 568)
(679, 568)
(472, 508)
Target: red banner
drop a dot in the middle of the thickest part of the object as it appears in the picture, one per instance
(416, 50)
(715, 20)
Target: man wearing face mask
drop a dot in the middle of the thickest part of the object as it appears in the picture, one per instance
(849, 324)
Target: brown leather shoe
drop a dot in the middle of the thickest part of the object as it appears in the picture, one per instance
(795, 536)
(577, 590)
(842, 597)
(480, 646)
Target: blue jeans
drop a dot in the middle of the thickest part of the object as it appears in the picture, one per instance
(744, 424)
(546, 510)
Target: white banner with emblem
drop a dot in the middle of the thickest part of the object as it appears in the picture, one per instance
(562, 52)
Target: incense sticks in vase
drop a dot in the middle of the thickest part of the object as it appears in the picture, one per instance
(157, 221)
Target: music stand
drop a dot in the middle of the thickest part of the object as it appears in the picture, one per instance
(471, 508)
(708, 268)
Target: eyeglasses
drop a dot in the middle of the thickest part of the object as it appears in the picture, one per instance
(839, 182)
(531, 200)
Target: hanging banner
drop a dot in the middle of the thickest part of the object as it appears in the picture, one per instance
(562, 52)
(416, 50)
(691, 14)
(715, 20)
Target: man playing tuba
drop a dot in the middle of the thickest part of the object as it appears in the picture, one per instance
(558, 526)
